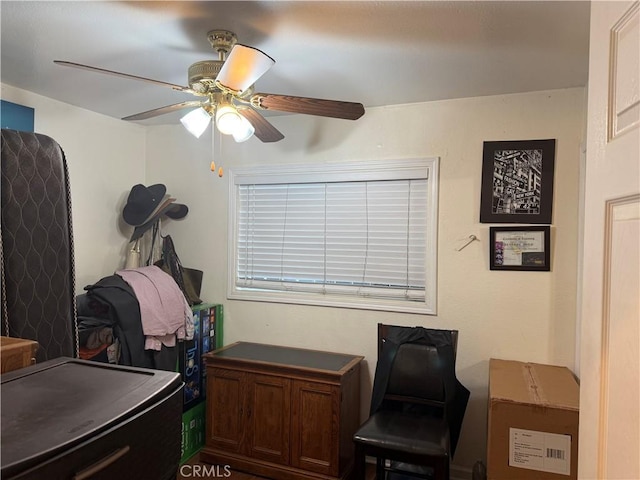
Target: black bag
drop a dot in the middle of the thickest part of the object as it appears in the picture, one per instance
(188, 279)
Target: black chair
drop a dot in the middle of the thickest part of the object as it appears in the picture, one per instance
(417, 405)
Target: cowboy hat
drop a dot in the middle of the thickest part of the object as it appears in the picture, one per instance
(170, 209)
(142, 202)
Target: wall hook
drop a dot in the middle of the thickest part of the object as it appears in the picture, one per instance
(471, 239)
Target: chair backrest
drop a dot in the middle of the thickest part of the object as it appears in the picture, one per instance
(421, 353)
(384, 331)
(417, 373)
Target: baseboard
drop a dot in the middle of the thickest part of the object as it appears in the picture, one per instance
(460, 473)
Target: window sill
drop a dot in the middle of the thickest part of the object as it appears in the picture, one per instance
(338, 301)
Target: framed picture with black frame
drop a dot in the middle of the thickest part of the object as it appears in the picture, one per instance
(525, 248)
(517, 181)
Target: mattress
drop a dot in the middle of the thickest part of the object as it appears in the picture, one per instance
(38, 298)
(70, 418)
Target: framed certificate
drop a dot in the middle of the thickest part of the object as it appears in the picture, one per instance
(520, 248)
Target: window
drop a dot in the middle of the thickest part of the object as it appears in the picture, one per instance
(359, 235)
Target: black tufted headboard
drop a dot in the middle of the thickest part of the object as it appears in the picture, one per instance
(38, 290)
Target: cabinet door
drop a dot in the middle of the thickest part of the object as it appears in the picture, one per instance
(315, 427)
(268, 418)
(226, 391)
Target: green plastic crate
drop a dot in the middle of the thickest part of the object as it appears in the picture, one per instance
(193, 431)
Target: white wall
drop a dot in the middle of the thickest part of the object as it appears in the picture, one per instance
(105, 158)
(526, 316)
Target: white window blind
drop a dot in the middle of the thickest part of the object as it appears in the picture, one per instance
(367, 234)
(357, 238)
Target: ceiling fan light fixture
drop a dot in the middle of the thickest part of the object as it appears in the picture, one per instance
(229, 83)
(227, 119)
(242, 68)
(196, 121)
(244, 131)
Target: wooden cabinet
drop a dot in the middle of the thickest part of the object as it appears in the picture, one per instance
(16, 353)
(315, 427)
(282, 412)
(254, 414)
(227, 430)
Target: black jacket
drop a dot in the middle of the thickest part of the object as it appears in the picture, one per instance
(113, 301)
(456, 394)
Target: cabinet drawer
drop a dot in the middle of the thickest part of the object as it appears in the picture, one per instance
(146, 445)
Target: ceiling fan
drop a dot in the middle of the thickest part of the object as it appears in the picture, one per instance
(229, 97)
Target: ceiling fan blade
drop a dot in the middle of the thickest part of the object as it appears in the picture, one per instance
(264, 130)
(162, 110)
(242, 68)
(124, 75)
(308, 106)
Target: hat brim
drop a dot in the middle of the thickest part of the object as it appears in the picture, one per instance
(177, 211)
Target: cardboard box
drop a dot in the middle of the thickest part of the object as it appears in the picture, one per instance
(208, 321)
(533, 422)
(193, 431)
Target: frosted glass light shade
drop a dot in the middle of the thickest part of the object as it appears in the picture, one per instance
(244, 131)
(196, 121)
(243, 67)
(227, 119)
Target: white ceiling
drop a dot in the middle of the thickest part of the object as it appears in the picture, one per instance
(373, 52)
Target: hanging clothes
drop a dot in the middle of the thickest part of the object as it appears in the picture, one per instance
(112, 302)
(165, 314)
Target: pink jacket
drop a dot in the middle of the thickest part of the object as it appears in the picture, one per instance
(164, 312)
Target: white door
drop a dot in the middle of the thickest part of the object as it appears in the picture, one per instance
(609, 443)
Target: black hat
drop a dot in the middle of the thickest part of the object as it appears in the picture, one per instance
(177, 211)
(142, 202)
(168, 208)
